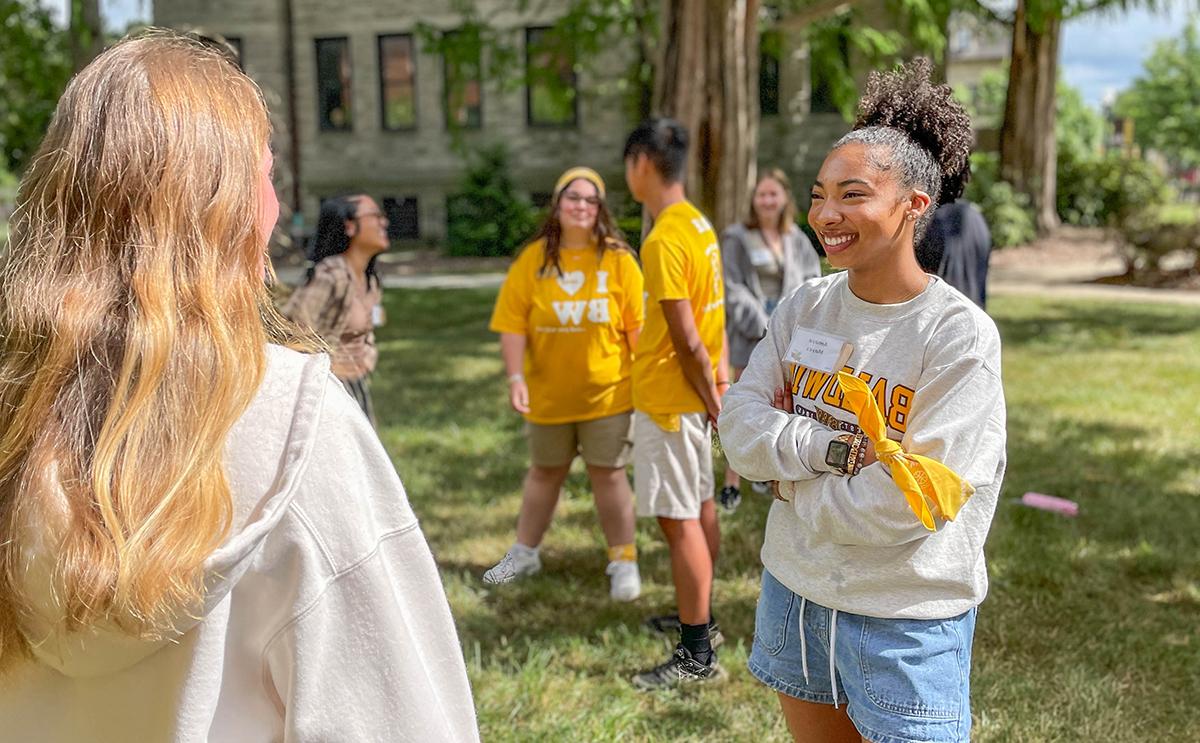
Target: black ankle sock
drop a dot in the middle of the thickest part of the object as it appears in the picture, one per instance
(694, 637)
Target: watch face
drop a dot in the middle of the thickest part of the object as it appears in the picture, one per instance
(838, 454)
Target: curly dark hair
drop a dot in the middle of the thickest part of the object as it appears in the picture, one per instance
(929, 133)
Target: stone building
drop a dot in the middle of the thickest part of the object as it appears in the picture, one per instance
(359, 102)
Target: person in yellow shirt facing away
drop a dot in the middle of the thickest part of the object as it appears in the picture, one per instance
(568, 314)
(680, 371)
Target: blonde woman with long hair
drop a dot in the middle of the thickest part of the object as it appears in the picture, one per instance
(177, 561)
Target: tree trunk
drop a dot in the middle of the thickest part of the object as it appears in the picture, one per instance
(86, 32)
(706, 77)
(1027, 143)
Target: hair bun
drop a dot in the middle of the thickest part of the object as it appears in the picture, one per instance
(905, 99)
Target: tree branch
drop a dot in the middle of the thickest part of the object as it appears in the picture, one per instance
(801, 18)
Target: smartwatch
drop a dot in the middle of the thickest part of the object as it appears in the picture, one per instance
(837, 455)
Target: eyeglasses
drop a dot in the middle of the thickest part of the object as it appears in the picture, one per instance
(380, 215)
(575, 198)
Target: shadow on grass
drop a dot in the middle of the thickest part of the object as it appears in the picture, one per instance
(1082, 326)
(1089, 595)
(1090, 622)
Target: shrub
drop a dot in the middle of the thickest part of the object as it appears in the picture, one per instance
(1152, 234)
(488, 217)
(1110, 189)
(1009, 214)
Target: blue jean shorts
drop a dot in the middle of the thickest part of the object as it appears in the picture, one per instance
(901, 680)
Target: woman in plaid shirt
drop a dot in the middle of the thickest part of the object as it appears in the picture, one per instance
(340, 300)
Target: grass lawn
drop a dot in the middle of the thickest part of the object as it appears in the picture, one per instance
(1091, 630)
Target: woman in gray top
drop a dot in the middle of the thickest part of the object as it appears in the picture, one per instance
(765, 259)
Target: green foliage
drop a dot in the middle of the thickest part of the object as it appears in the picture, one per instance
(487, 217)
(1164, 102)
(34, 68)
(1080, 197)
(862, 38)
(1008, 212)
(985, 100)
(1105, 191)
(478, 50)
(1088, 632)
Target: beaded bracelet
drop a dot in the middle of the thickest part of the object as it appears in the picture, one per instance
(858, 454)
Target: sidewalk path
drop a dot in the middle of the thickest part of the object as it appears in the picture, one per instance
(1076, 281)
(1049, 279)
(293, 277)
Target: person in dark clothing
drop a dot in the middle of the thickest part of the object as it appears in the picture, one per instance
(957, 247)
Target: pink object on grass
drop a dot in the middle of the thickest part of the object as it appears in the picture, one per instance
(1050, 503)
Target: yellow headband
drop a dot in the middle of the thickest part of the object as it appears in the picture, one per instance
(586, 174)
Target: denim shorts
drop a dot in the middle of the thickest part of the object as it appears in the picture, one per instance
(901, 680)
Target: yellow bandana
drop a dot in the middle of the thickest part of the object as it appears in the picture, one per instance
(931, 488)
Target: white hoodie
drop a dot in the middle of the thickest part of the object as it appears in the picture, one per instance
(852, 543)
(325, 619)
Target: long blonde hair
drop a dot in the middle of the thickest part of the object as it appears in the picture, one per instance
(133, 329)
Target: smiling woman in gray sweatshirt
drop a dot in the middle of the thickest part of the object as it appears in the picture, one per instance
(855, 584)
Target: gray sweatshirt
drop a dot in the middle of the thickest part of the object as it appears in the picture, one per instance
(852, 543)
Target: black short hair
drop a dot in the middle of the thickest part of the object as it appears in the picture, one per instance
(928, 133)
(665, 142)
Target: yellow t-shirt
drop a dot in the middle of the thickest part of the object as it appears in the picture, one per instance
(682, 260)
(577, 358)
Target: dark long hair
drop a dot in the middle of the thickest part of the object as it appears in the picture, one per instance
(330, 238)
(608, 235)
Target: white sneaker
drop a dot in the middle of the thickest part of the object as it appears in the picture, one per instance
(518, 562)
(626, 581)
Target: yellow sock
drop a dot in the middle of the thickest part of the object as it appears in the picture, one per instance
(622, 552)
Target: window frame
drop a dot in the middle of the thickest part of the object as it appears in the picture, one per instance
(448, 119)
(573, 123)
(380, 39)
(349, 97)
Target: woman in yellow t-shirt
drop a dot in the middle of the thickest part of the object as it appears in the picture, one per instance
(568, 315)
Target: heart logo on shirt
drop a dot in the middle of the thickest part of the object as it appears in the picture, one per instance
(571, 282)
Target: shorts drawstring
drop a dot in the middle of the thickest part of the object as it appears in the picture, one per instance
(832, 668)
(803, 644)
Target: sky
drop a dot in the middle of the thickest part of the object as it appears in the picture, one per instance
(1100, 54)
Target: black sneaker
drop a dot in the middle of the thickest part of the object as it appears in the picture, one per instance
(730, 498)
(681, 669)
(668, 624)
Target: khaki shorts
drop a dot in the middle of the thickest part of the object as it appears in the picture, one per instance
(603, 442)
(672, 470)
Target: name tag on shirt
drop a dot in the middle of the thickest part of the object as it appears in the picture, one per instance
(760, 257)
(816, 350)
(377, 317)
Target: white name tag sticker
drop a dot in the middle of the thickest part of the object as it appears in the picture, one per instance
(377, 315)
(816, 350)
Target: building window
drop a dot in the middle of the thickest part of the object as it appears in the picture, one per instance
(334, 111)
(550, 95)
(464, 86)
(404, 222)
(770, 51)
(397, 82)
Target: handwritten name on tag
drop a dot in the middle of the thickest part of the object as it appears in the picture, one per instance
(817, 350)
